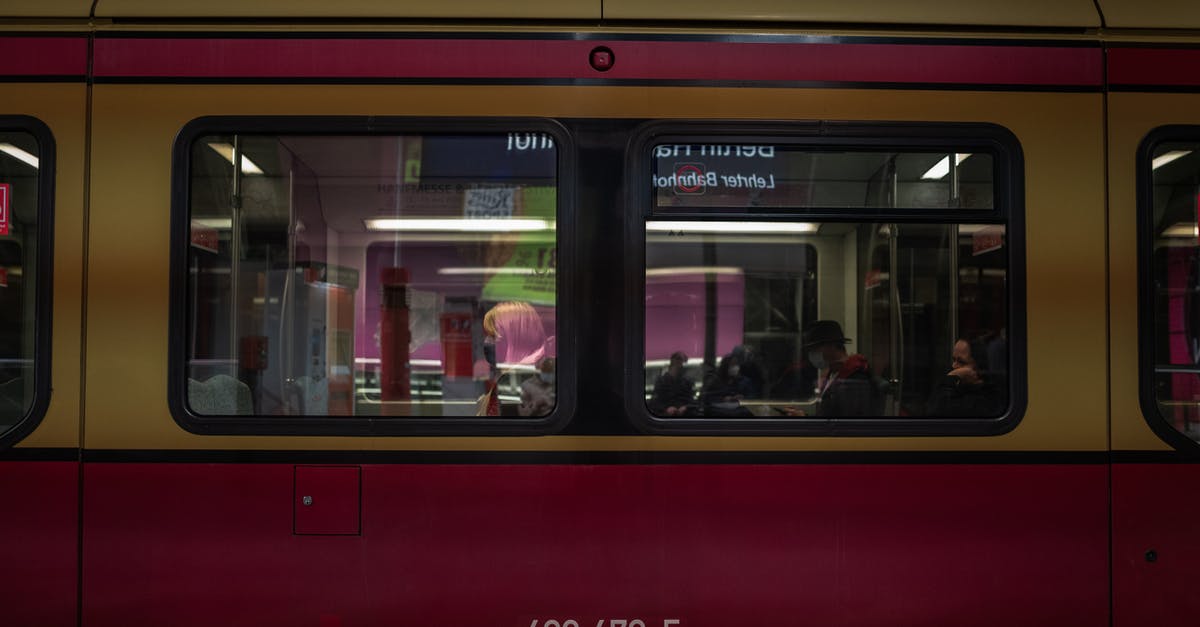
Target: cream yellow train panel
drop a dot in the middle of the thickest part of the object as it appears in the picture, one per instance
(468, 9)
(135, 125)
(46, 8)
(63, 108)
(1131, 117)
(1169, 14)
(1078, 13)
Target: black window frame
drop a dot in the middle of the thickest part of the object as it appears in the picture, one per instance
(44, 290)
(180, 314)
(1147, 324)
(1008, 209)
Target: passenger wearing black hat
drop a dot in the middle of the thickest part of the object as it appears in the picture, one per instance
(845, 386)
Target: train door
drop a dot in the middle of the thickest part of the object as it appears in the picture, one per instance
(1154, 266)
(43, 111)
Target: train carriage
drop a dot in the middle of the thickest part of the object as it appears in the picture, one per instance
(598, 313)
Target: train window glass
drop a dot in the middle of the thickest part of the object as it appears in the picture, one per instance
(1174, 194)
(763, 176)
(23, 168)
(402, 276)
(791, 285)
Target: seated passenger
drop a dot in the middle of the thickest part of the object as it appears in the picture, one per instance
(724, 390)
(537, 392)
(845, 386)
(966, 390)
(751, 370)
(674, 393)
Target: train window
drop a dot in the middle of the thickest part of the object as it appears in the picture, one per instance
(26, 189)
(365, 281)
(1169, 179)
(818, 284)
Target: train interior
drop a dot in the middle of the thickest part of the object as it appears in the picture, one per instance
(290, 251)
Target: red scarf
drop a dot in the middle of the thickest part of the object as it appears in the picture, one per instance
(853, 364)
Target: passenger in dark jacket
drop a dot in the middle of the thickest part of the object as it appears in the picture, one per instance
(967, 390)
(846, 386)
(724, 390)
(674, 393)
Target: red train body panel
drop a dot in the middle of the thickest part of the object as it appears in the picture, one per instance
(39, 520)
(510, 544)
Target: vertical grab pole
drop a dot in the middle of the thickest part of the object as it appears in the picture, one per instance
(394, 336)
(235, 248)
(955, 202)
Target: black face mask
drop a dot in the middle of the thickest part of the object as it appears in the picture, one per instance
(489, 353)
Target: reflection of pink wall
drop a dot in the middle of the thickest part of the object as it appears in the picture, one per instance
(422, 262)
(675, 314)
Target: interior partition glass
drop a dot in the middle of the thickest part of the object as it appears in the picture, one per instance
(756, 309)
(391, 276)
(1175, 194)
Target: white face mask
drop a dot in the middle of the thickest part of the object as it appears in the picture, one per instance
(546, 377)
(816, 359)
(734, 370)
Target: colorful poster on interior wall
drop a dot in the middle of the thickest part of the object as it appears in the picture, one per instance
(525, 262)
(5, 201)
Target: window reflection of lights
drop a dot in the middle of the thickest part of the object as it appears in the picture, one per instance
(732, 227)
(693, 270)
(526, 271)
(226, 150)
(419, 363)
(663, 363)
(19, 154)
(942, 168)
(1168, 157)
(1181, 229)
(458, 224)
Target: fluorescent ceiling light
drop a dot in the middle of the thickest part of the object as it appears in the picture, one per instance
(693, 270)
(942, 168)
(732, 227)
(214, 223)
(493, 271)
(474, 225)
(971, 229)
(17, 153)
(1168, 157)
(226, 150)
(1180, 229)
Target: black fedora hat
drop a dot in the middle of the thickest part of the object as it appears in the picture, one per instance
(824, 332)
